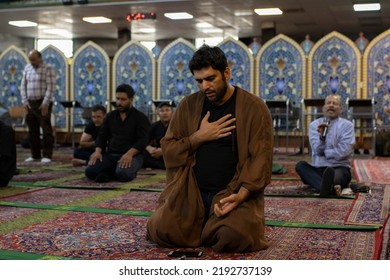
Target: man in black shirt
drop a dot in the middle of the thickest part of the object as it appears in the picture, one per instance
(87, 141)
(121, 140)
(153, 157)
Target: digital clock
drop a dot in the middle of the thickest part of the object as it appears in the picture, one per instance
(140, 16)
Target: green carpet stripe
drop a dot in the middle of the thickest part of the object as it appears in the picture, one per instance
(40, 184)
(148, 214)
(77, 208)
(15, 255)
(320, 226)
(139, 189)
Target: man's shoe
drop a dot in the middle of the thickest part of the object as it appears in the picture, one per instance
(30, 159)
(45, 160)
(102, 178)
(327, 182)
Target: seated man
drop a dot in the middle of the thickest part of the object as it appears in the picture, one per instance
(7, 154)
(88, 137)
(121, 140)
(332, 139)
(153, 157)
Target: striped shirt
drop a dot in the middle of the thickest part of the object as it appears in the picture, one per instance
(38, 83)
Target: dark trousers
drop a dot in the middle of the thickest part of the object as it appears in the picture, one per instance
(151, 162)
(312, 176)
(35, 121)
(109, 165)
(83, 153)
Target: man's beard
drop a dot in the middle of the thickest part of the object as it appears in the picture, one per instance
(123, 109)
(219, 94)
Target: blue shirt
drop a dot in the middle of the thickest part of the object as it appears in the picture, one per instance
(337, 149)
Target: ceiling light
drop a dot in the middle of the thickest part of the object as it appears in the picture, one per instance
(23, 23)
(367, 7)
(147, 30)
(61, 32)
(97, 19)
(268, 11)
(176, 16)
(212, 30)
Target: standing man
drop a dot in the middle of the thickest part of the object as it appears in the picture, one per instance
(88, 137)
(37, 88)
(218, 154)
(331, 139)
(153, 157)
(121, 140)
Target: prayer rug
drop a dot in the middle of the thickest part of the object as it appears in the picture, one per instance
(372, 170)
(43, 175)
(11, 213)
(134, 200)
(307, 210)
(101, 236)
(53, 196)
(385, 250)
(287, 187)
(370, 208)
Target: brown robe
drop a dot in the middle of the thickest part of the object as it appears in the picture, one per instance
(179, 218)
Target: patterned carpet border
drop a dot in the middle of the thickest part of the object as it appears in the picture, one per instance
(370, 208)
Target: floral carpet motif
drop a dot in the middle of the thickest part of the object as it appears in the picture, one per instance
(370, 208)
(134, 200)
(372, 170)
(100, 236)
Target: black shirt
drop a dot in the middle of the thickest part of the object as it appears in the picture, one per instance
(216, 160)
(92, 130)
(120, 136)
(156, 133)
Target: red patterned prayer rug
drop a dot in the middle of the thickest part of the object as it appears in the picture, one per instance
(134, 200)
(370, 208)
(307, 210)
(288, 187)
(53, 196)
(102, 236)
(43, 175)
(372, 170)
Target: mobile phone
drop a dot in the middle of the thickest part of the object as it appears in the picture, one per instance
(187, 254)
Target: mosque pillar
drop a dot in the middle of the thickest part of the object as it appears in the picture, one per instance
(124, 36)
(268, 31)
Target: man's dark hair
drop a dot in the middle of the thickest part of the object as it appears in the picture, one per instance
(127, 89)
(99, 108)
(207, 56)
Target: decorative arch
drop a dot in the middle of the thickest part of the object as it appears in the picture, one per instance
(89, 77)
(281, 70)
(135, 65)
(376, 76)
(12, 63)
(240, 61)
(334, 66)
(174, 78)
(58, 61)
